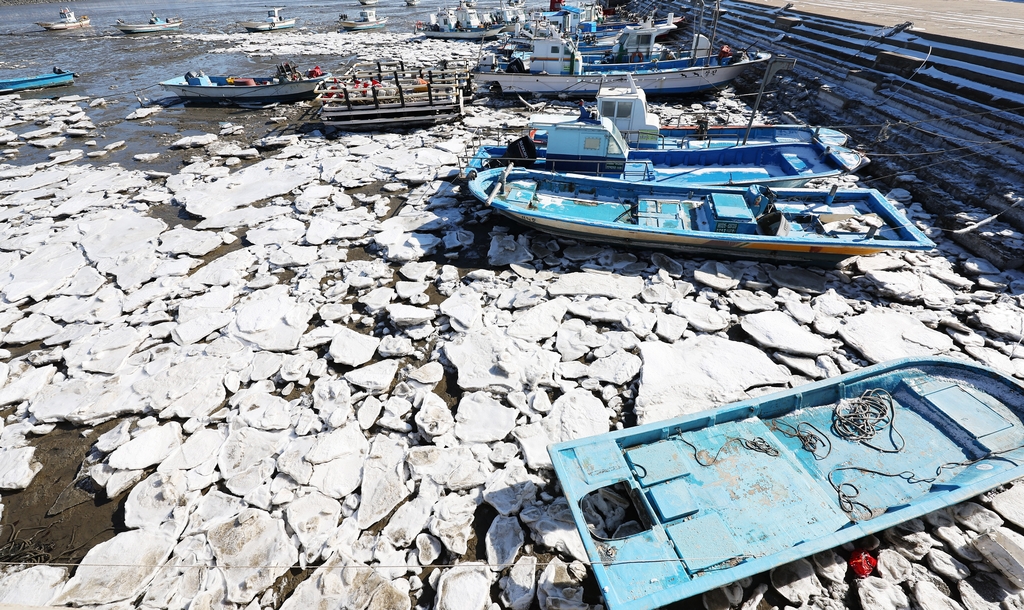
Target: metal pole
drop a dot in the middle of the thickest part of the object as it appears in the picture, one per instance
(774, 65)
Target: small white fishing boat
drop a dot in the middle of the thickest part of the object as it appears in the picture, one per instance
(274, 21)
(412, 2)
(156, 24)
(367, 2)
(367, 20)
(287, 85)
(67, 21)
(460, 23)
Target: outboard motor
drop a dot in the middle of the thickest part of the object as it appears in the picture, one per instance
(521, 153)
(515, 66)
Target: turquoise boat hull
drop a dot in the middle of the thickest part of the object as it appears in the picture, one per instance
(726, 494)
(634, 210)
(37, 82)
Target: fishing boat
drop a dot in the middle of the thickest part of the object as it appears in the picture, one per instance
(555, 66)
(56, 78)
(461, 23)
(367, 20)
(367, 2)
(509, 15)
(377, 95)
(717, 496)
(274, 21)
(624, 131)
(800, 225)
(155, 24)
(287, 85)
(412, 2)
(67, 21)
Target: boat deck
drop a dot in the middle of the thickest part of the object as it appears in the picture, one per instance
(721, 213)
(721, 495)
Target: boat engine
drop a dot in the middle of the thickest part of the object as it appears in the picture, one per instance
(521, 153)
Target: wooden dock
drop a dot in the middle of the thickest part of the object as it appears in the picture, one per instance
(390, 94)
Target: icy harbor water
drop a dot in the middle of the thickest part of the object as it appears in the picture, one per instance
(250, 366)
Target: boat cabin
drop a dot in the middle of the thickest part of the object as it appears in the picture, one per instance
(593, 147)
(274, 14)
(460, 18)
(627, 109)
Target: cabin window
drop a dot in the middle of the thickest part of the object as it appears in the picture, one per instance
(592, 143)
(624, 110)
(556, 50)
(613, 148)
(644, 39)
(608, 109)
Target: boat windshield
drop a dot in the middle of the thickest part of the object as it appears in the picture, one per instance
(616, 143)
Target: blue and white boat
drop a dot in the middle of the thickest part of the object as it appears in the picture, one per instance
(717, 496)
(287, 85)
(625, 133)
(56, 78)
(460, 23)
(555, 66)
(799, 225)
(273, 22)
(155, 24)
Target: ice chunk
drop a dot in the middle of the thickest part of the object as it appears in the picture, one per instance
(464, 587)
(384, 477)
(539, 322)
(698, 373)
(481, 419)
(375, 377)
(256, 548)
(777, 330)
(263, 180)
(612, 286)
(271, 319)
(148, 448)
(32, 586)
(313, 518)
(553, 526)
(150, 502)
(883, 334)
(576, 414)
(18, 467)
(42, 272)
(118, 569)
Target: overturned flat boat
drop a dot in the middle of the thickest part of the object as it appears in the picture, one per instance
(67, 21)
(721, 495)
(800, 225)
(56, 78)
(288, 85)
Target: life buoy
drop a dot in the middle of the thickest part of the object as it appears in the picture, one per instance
(636, 57)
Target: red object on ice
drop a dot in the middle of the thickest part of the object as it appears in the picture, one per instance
(862, 563)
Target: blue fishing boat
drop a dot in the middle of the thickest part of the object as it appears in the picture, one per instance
(721, 495)
(624, 131)
(56, 78)
(800, 225)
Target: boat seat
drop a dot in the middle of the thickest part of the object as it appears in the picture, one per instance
(202, 81)
(793, 164)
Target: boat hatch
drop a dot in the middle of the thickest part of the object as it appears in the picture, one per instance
(970, 409)
(704, 542)
(731, 214)
(656, 463)
(651, 213)
(598, 459)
